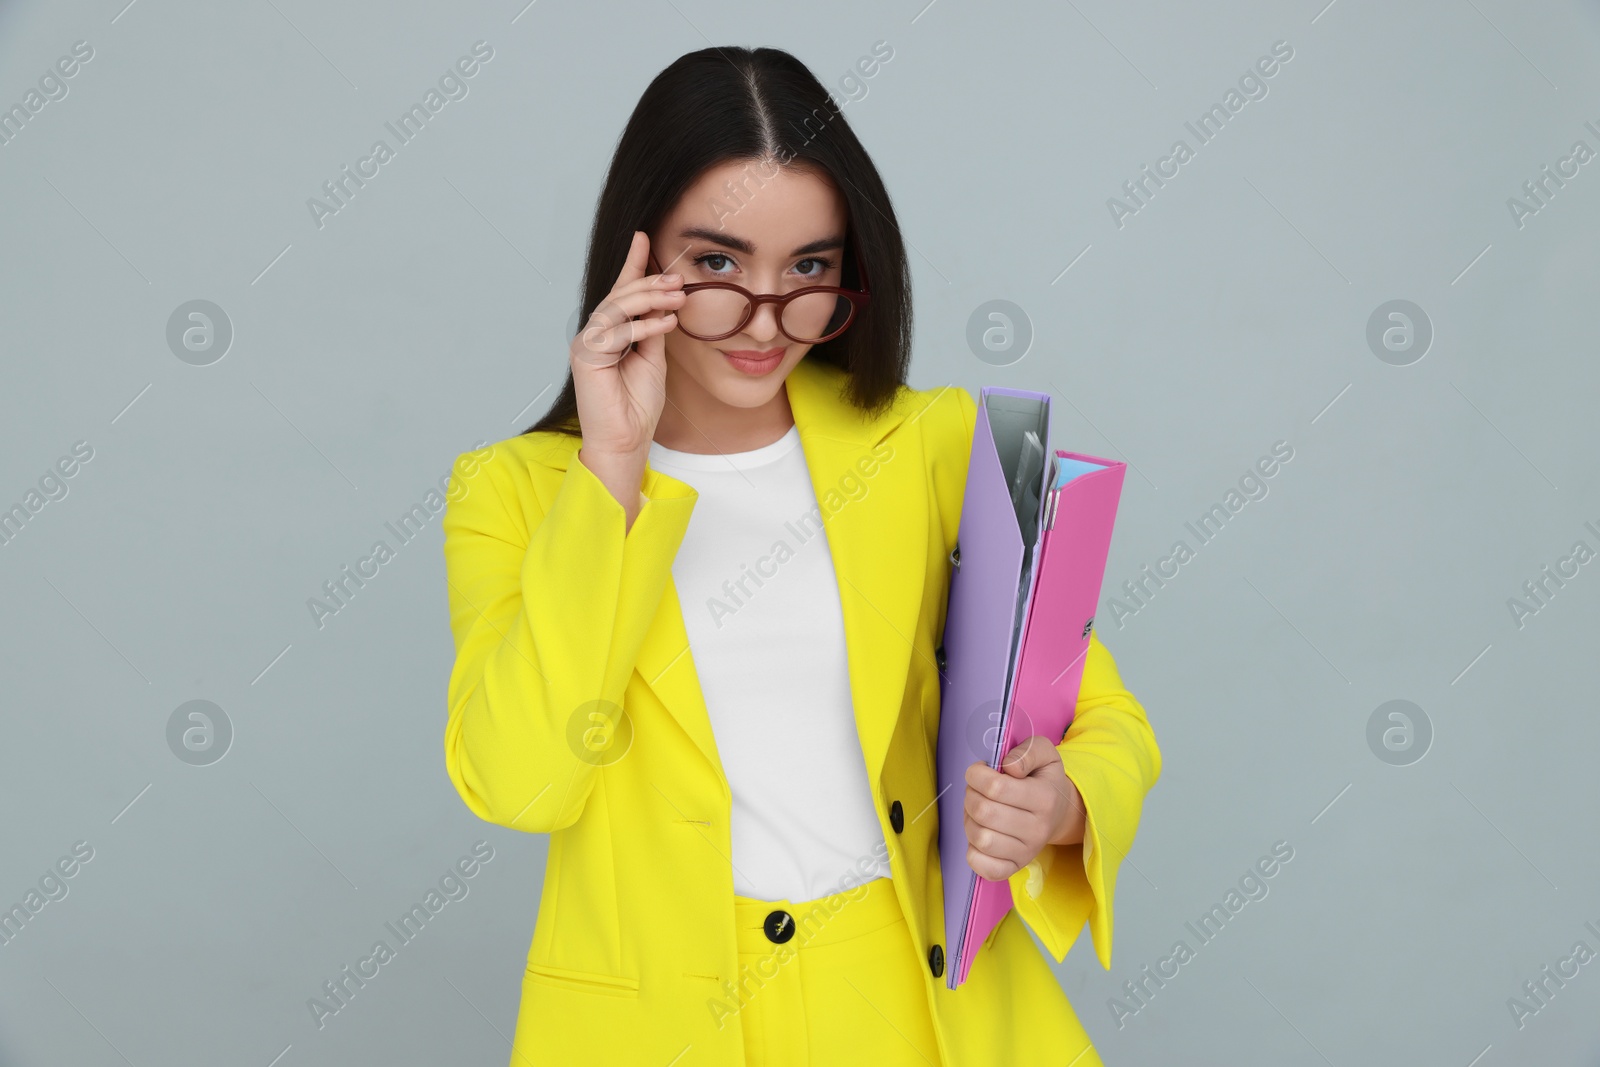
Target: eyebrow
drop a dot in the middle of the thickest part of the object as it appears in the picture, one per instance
(739, 244)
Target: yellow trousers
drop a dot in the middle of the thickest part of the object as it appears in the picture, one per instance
(831, 981)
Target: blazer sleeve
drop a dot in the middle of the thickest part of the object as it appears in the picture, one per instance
(1110, 753)
(549, 607)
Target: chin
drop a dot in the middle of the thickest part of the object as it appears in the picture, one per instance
(737, 390)
(733, 387)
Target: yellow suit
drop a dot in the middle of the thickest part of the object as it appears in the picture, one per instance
(568, 630)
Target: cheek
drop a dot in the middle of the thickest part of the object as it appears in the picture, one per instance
(697, 360)
(687, 352)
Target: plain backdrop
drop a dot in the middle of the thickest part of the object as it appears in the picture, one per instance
(1441, 458)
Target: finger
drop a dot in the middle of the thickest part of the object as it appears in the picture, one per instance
(996, 861)
(626, 334)
(996, 785)
(645, 284)
(654, 344)
(606, 325)
(995, 844)
(636, 299)
(598, 346)
(990, 869)
(1001, 818)
(1029, 756)
(615, 309)
(633, 267)
(652, 348)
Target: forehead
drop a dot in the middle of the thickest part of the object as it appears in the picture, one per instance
(774, 208)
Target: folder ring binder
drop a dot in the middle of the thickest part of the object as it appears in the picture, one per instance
(955, 556)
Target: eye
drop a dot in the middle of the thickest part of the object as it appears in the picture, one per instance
(714, 262)
(819, 266)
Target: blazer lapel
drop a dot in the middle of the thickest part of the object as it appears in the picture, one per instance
(877, 530)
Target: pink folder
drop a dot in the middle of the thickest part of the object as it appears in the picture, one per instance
(1030, 556)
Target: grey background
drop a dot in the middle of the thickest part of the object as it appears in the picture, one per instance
(1229, 313)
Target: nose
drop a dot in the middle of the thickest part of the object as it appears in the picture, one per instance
(763, 325)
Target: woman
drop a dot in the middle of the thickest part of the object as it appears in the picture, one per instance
(696, 608)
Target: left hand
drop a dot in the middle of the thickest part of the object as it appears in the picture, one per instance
(1013, 813)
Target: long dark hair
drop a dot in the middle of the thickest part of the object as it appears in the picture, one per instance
(719, 105)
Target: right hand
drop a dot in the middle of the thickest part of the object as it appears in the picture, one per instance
(619, 362)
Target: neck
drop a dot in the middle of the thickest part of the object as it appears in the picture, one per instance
(693, 420)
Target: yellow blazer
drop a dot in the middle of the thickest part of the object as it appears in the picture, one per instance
(575, 710)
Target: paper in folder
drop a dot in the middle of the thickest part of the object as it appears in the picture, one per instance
(1026, 572)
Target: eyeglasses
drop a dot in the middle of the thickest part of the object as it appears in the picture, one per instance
(713, 311)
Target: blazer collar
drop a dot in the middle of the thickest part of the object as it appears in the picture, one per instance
(877, 532)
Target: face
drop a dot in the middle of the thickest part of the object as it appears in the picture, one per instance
(770, 229)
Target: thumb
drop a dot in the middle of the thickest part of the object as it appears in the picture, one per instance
(1029, 756)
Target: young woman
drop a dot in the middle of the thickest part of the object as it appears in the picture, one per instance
(696, 609)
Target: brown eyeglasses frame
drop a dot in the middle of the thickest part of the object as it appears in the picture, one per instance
(858, 299)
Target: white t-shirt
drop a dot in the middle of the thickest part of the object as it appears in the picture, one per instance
(761, 607)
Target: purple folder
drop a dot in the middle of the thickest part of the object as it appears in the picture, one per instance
(1026, 573)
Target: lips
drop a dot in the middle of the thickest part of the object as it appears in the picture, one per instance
(749, 361)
